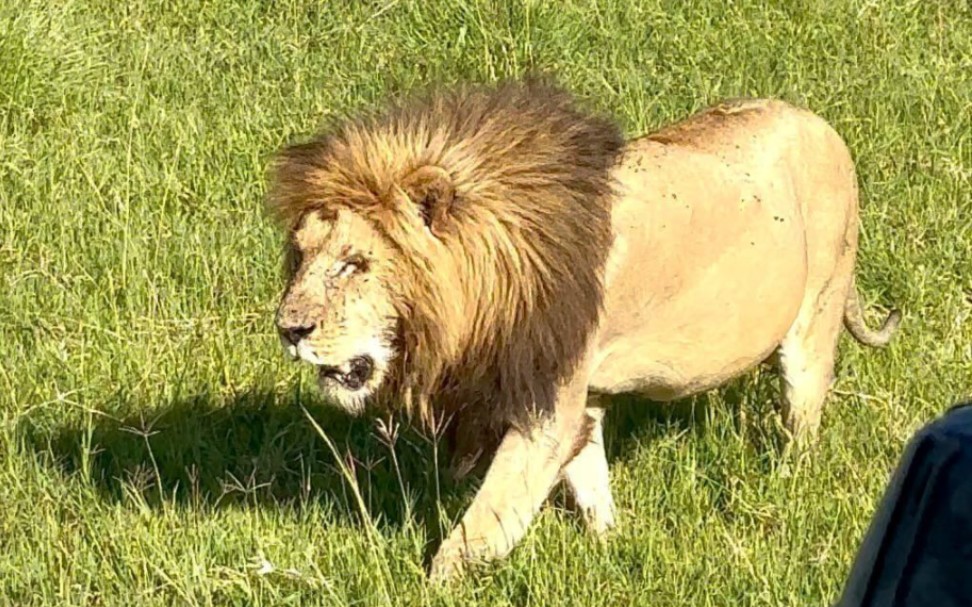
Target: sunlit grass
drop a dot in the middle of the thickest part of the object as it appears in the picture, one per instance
(153, 449)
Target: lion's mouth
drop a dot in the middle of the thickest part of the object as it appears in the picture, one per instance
(351, 376)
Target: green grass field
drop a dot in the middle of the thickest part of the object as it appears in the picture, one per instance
(153, 449)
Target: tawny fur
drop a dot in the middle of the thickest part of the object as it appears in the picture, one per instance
(527, 259)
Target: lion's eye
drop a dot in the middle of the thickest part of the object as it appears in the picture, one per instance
(352, 265)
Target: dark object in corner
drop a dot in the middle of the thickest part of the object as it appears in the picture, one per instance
(918, 549)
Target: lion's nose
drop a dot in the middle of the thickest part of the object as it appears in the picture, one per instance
(294, 334)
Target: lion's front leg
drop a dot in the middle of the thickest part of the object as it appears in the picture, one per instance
(527, 464)
(587, 477)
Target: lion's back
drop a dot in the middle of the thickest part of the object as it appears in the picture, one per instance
(730, 123)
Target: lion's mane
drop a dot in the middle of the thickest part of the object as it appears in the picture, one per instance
(498, 306)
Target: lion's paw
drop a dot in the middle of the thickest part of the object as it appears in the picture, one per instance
(448, 563)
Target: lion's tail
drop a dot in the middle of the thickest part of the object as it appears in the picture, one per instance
(854, 321)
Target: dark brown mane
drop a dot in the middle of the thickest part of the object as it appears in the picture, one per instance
(498, 306)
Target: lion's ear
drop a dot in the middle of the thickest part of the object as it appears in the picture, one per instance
(431, 188)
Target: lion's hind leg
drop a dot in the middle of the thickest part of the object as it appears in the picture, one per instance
(806, 380)
(807, 353)
(586, 476)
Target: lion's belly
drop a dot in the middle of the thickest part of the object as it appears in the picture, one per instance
(706, 277)
(687, 356)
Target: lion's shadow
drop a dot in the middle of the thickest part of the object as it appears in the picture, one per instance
(256, 449)
(744, 407)
(259, 449)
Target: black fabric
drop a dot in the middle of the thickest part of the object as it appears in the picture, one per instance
(918, 549)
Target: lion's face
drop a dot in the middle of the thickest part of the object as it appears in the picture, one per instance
(337, 312)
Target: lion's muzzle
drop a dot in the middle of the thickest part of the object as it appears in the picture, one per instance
(354, 376)
(292, 335)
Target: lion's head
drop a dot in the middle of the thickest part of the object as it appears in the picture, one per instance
(450, 247)
(338, 312)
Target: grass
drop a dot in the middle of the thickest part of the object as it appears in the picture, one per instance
(153, 449)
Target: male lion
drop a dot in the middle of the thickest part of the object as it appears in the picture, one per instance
(497, 254)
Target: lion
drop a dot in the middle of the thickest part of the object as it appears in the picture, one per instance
(500, 256)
